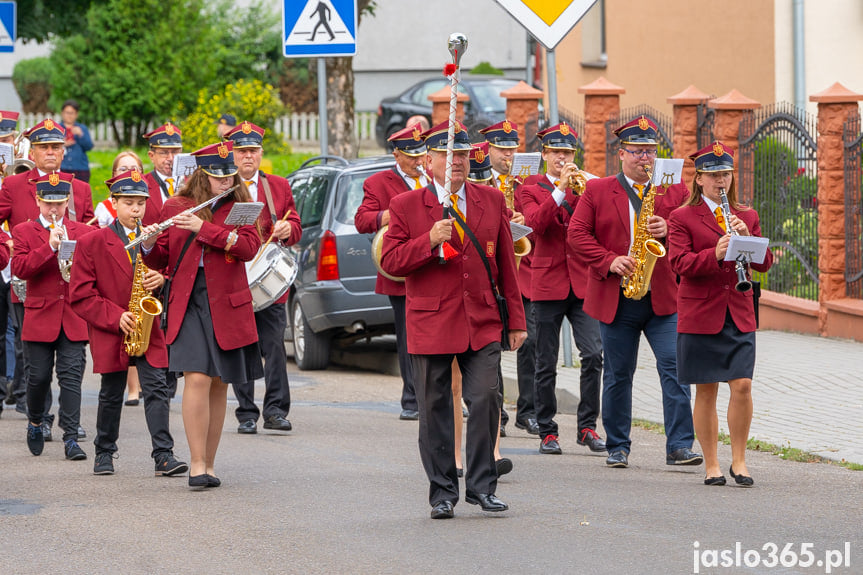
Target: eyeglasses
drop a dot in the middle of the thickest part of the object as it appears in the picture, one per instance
(641, 153)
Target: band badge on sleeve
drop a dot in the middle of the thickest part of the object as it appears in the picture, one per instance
(230, 258)
(489, 249)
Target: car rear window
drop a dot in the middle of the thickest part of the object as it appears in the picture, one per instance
(350, 196)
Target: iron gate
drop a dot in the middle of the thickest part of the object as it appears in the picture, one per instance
(778, 177)
(852, 138)
(665, 134)
(704, 127)
(540, 122)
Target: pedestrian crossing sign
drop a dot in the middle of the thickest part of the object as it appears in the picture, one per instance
(7, 26)
(319, 28)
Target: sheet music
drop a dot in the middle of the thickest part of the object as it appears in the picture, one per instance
(7, 154)
(244, 214)
(526, 164)
(753, 249)
(184, 166)
(518, 231)
(667, 171)
(67, 248)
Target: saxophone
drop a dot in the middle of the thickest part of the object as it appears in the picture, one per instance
(645, 250)
(144, 307)
(521, 247)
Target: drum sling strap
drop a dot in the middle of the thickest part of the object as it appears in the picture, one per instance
(266, 185)
(166, 288)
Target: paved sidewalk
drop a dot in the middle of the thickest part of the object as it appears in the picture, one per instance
(807, 392)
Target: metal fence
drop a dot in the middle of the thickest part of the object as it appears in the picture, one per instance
(778, 177)
(852, 140)
(706, 117)
(297, 129)
(665, 134)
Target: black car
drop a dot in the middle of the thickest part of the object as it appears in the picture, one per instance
(333, 299)
(485, 107)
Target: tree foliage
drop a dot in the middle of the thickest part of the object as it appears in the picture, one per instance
(32, 81)
(39, 20)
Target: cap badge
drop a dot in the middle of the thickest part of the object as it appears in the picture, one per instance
(479, 156)
(49, 124)
(416, 134)
(54, 179)
(507, 127)
(717, 149)
(643, 124)
(136, 176)
(169, 129)
(223, 150)
(246, 127)
(564, 129)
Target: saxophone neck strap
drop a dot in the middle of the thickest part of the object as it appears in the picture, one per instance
(633, 195)
(118, 229)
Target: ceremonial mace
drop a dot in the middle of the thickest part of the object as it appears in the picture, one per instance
(457, 45)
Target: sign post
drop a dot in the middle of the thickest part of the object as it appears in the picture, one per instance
(8, 25)
(318, 29)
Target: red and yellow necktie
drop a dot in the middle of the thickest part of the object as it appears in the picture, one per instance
(454, 199)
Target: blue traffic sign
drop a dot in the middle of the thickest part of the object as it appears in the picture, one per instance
(8, 21)
(319, 28)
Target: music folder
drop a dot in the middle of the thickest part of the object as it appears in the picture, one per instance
(747, 248)
(667, 172)
(518, 231)
(66, 249)
(244, 213)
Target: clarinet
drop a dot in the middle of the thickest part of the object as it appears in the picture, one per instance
(743, 284)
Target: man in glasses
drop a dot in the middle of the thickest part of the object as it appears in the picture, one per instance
(602, 230)
(165, 143)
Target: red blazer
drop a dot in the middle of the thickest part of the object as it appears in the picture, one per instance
(556, 266)
(283, 200)
(379, 190)
(47, 306)
(99, 292)
(451, 307)
(525, 270)
(600, 231)
(18, 200)
(707, 285)
(5, 255)
(227, 286)
(154, 202)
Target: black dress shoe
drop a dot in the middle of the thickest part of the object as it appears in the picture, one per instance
(409, 415)
(199, 481)
(168, 465)
(248, 426)
(213, 481)
(35, 439)
(442, 510)
(617, 459)
(278, 423)
(719, 481)
(132, 402)
(684, 456)
(591, 439)
(503, 465)
(529, 425)
(550, 446)
(488, 501)
(741, 480)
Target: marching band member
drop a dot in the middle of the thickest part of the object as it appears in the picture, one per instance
(452, 313)
(503, 142)
(51, 329)
(165, 142)
(558, 291)
(123, 162)
(211, 325)
(8, 132)
(102, 279)
(409, 151)
(716, 324)
(602, 231)
(275, 193)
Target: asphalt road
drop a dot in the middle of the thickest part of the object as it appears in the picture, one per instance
(345, 493)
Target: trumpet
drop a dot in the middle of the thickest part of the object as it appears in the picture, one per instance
(743, 283)
(65, 265)
(577, 181)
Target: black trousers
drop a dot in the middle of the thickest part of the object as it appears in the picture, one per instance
(4, 323)
(157, 408)
(585, 332)
(409, 396)
(271, 322)
(433, 378)
(70, 371)
(526, 367)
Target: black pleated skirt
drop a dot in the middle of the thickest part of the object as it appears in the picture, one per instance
(708, 358)
(196, 348)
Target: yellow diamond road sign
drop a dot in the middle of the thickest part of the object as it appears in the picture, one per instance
(549, 21)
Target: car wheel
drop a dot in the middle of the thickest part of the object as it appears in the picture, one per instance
(311, 350)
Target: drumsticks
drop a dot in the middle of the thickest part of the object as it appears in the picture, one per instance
(272, 235)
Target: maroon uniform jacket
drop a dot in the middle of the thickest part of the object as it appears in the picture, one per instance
(18, 199)
(555, 264)
(99, 290)
(600, 231)
(154, 202)
(4, 249)
(283, 200)
(379, 190)
(227, 286)
(46, 307)
(706, 285)
(525, 266)
(451, 307)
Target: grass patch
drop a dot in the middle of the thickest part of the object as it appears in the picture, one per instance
(784, 451)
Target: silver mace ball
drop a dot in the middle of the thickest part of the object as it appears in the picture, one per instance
(457, 45)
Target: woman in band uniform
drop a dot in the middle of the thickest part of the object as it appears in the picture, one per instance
(716, 323)
(211, 326)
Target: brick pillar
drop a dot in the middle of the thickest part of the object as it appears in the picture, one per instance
(730, 111)
(686, 126)
(835, 104)
(601, 101)
(440, 105)
(522, 106)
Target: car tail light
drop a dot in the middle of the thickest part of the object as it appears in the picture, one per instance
(328, 257)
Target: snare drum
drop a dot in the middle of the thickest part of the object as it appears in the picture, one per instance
(271, 275)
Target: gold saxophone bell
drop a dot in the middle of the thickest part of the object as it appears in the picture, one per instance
(645, 250)
(520, 247)
(144, 307)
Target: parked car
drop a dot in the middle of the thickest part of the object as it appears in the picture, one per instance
(333, 299)
(484, 108)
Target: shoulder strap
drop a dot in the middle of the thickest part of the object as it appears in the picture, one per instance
(399, 176)
(162, 186)
(476, 245)
(183, 252)
(633, 195)
(70, 207)
(546, 185)
(266, 185)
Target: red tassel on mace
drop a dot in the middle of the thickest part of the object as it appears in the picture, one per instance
(449, 252)
(449, 69)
